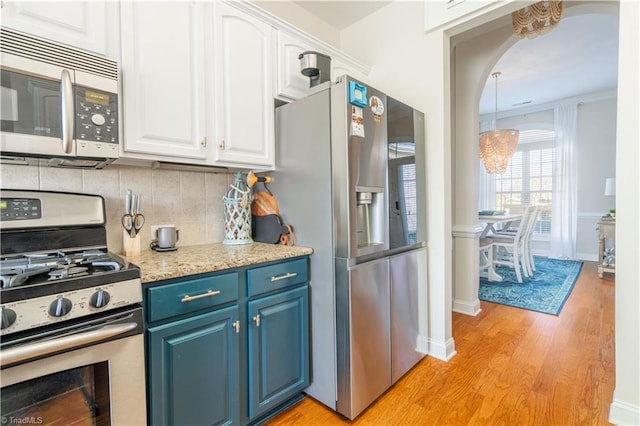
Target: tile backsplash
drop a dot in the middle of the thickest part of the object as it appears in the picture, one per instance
(190, 200)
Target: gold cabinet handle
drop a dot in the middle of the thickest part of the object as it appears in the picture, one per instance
(256, 318)
(236, 325)
(284, 277)
(209, 293)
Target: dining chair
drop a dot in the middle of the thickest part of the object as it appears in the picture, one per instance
(529, 262)
(509, 246)
(531, 227)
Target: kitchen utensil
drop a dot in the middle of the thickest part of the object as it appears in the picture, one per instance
(166, 238)
(133, 219)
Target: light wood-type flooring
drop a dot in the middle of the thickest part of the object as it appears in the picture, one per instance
(513, 367)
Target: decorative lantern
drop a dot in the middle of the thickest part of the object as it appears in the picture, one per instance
(237, 213)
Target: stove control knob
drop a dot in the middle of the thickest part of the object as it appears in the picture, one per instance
(8, 317)
(99, 299)
(60, 307)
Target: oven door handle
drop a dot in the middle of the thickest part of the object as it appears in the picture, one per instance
(37, 349)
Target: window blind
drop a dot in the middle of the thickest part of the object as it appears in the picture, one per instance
(529, 177)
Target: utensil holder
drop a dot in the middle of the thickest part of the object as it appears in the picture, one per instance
(130, 246)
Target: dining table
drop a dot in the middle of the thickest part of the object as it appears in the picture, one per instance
(491, 221)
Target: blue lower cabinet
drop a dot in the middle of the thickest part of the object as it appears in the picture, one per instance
(278, 348)
(230, 348)
(193, 370)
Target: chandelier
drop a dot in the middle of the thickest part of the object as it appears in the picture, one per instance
(497, 146)
(537, 19)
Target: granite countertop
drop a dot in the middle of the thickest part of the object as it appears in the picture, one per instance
(190, 260)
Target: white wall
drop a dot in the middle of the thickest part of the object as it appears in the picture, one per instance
(596, 154)
(596, 162)
(625, 408)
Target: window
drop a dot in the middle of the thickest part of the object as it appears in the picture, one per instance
(409, 208)
(529, 177)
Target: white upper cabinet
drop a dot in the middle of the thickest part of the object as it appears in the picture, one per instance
(197, 84)
(291, 84)
(81, 24)
(244, 88)
(165, 85)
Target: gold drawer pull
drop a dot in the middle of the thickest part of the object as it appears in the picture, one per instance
(284, 277)
(209, 293)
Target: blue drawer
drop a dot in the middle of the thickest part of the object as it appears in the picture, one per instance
(191, 295)
(275, 277)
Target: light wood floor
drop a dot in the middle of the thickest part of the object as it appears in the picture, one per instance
(513, 367)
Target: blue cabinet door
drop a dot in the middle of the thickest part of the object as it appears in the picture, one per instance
(278, 333)
(193, 370)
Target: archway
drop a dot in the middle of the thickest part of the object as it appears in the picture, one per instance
(474, 56)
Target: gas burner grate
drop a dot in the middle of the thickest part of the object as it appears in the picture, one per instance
(25, 269)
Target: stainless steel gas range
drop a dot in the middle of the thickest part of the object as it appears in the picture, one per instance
(71, 316)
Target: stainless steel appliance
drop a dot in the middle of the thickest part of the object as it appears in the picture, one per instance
(407, 210)
(59, 104)
(72, 347)
(331, 181)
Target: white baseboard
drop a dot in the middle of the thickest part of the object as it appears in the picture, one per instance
(422, 344)
(442, 350)
(623, 413)
(588, 257)
(467, 308)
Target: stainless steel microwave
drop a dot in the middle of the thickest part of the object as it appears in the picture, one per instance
(59, 104)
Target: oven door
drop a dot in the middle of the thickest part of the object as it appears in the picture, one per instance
(93, 384)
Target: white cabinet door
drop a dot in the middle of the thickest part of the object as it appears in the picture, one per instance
(164, 54)
(291, 84)
(81, 24)
(244, 89)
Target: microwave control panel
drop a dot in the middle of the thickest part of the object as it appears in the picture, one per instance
(96, 115)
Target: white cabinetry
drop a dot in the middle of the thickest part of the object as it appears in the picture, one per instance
(291, 84)
(198, 84)
(244, 88)
(81, 24)
(164, 80)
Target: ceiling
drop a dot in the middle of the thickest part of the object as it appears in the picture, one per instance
(578, 57)
(341, 14)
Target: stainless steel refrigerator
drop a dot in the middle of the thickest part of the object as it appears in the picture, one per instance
(333, 156)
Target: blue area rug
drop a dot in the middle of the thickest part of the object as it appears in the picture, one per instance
(546, 291)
